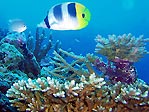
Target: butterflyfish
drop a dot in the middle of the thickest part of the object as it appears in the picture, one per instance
(66, 16)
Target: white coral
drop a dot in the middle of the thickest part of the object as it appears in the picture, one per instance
(48, 84)
(97, 82)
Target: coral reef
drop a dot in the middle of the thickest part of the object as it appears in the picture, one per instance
(5, 104)
(49, 95)
(33, 80)
(10, 56)
(42, 44)
(28, 63)
(63, 68)
(121, 52)
(122, 97)
(16, 39)
(118, 70)
(92, 94)
(7, 78)
(125, 46)
(17, 60)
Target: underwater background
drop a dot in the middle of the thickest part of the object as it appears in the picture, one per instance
(107, 17)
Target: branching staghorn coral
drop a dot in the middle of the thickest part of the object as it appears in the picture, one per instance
(126, 47)
(47, 94)
(124, 98)
(91, 94)
(70, 70)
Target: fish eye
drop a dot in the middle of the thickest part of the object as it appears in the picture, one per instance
(83, 15)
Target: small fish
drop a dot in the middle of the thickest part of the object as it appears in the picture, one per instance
(16, 25)
(77, 40)
(66, 16)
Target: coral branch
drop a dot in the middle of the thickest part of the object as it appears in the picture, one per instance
(38, 40)
(41, 47)
(78, 67)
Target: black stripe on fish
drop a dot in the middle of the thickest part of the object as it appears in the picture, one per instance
(72, 9)
(47, 22)
(57, 11)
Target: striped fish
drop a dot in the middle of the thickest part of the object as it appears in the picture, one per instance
(66, 16)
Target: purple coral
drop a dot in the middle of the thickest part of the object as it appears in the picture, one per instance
(117, 70)
(122, 52)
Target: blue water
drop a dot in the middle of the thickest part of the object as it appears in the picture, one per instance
(108, 17)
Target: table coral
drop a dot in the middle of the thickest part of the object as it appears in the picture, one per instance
(124, 46)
